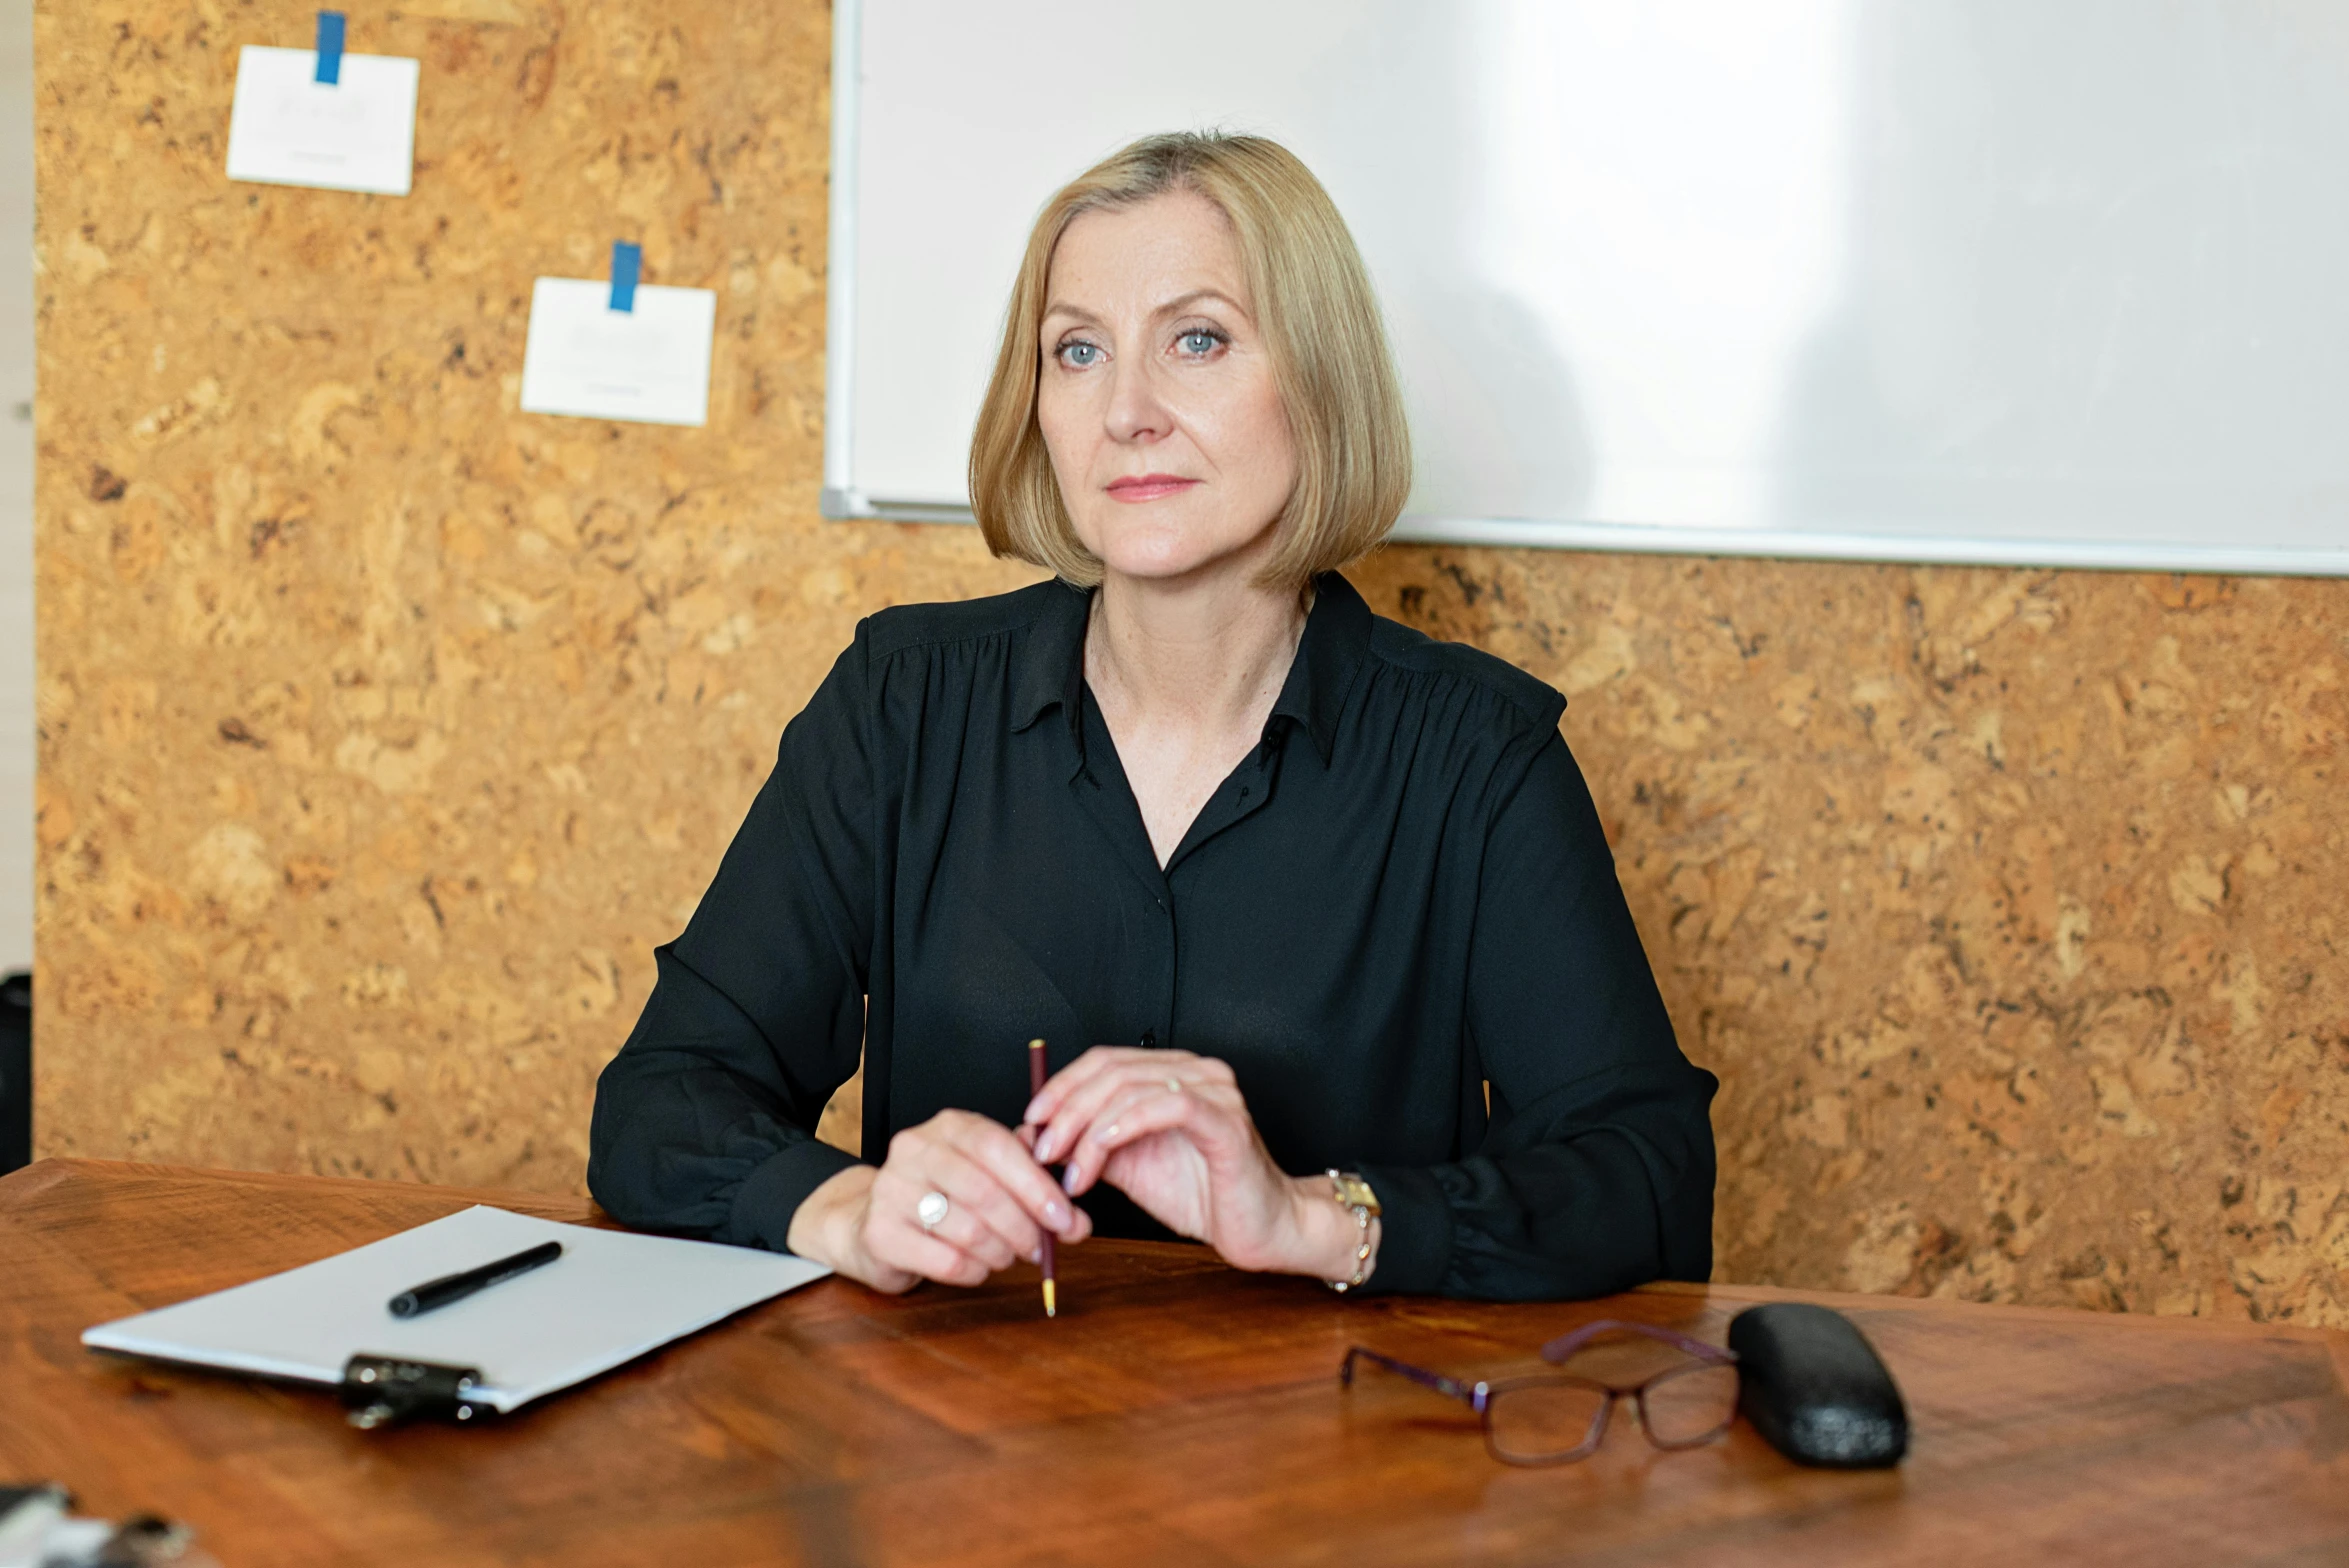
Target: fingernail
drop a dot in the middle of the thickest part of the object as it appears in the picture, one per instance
(1068, 1181)
(1056, 1214)
(1044, 1149)
(1029, 1115)
(1106, 1134)
(1036, 1255)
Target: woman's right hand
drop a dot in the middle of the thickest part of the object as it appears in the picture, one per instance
(865, 1222)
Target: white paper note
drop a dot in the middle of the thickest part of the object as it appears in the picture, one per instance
(609, 1298)
(586, 359)
(288, 128)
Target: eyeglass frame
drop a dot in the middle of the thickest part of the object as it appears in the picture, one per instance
(1480, 1395)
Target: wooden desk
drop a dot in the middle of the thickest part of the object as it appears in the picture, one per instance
(1177, 1413)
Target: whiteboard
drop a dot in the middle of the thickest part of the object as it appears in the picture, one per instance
(2063, 283)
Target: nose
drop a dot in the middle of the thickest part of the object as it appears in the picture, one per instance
(1137, 416)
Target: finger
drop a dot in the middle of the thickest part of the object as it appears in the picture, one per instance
(969, 1234)
(1082, 1106)
(901, 1187)
(1084, 1110)
(1210, 1122)
(1006, 1231)
(895, 1234)
(1082, 1071)
(903, 1244)
(1152, 1073)
(898, 1195)
(1009, 1161)
(928, 1155)
(1137, 1111)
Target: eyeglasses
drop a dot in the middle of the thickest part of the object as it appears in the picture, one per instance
(1556, 1418)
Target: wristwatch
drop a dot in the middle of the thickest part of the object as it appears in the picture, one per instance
(1353, 1193)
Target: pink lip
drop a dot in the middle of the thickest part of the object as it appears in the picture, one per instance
(1149, 487)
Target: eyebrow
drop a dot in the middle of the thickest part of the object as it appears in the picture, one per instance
(1173, 307)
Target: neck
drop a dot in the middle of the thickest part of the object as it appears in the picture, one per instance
(1209, 654)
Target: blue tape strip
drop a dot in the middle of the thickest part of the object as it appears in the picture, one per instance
(330, 47)
(627, 261)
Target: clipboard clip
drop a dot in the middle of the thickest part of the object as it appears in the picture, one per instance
(380, 1390)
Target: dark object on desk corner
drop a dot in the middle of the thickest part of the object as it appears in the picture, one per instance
(141, 1541)
(16, 1072)
(381, 1390)
(37, 1526)
(44, 1498)
(1814, 1387)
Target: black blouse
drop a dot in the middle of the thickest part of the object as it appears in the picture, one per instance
(1400, 896)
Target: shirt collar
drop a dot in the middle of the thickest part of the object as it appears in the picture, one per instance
(1336, 642)
(1329, 657)
(1051, 663)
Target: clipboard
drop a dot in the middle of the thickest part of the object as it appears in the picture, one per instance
(613, 1296)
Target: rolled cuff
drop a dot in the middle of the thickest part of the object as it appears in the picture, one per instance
(1415, 1231)
(772, 1194)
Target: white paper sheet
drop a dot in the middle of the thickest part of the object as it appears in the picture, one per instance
(586, 359)
(611, 1297)
(287, 128)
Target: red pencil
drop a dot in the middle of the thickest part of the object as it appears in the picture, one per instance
(1036, 1068)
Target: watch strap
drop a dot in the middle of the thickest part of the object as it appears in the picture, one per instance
(1354, 1195)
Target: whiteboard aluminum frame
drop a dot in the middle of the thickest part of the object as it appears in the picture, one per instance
(841, 501)
(840, 258)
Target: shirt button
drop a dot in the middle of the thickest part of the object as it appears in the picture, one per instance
(1149, 1038)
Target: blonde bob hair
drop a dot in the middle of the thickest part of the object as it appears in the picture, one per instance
(1328, 348)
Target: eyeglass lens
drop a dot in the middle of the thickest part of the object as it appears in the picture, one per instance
(1536, 1421)
(1690, 1404)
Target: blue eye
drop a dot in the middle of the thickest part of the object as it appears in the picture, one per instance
(1200, 341)
(1079, 355)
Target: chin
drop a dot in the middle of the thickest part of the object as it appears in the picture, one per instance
(1155, 566)
(1162, 551)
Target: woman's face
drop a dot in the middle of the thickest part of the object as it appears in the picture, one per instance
(1156, 396)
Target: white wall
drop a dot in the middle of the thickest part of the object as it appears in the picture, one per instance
(16, 484)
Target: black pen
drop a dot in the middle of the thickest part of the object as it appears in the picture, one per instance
(456, 1287)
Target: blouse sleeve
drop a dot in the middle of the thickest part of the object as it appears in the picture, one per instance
(705, 1121)
(1595, 1173)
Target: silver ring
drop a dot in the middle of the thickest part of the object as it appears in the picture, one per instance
(931, 1211)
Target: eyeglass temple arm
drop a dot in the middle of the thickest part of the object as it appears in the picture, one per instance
(1450, 1388)
(1565, 1345)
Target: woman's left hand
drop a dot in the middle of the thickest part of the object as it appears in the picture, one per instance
(1171, 1131)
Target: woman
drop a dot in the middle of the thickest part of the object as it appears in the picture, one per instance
(1322, 878)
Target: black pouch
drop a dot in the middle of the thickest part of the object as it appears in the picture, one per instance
(1816, 1389)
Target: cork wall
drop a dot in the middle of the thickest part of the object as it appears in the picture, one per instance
(384, 729)
(2008, 906)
